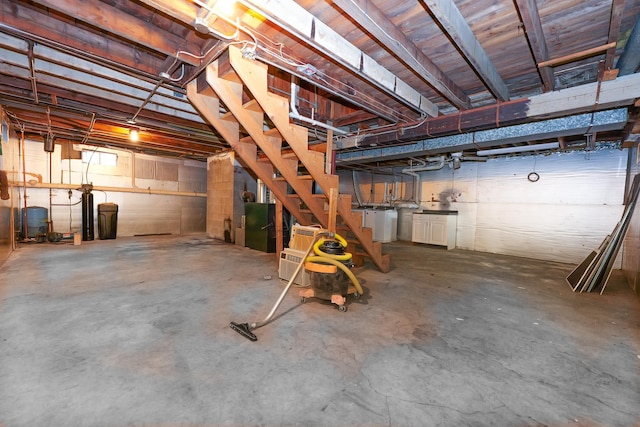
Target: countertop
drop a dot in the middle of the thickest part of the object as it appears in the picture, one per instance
(437, 212)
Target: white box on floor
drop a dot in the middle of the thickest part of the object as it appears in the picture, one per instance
(289, 260)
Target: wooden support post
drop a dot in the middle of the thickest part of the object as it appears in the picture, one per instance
(279, 239)
(333, 207)
(328, 158)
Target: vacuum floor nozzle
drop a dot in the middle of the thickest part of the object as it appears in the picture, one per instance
(243, 329)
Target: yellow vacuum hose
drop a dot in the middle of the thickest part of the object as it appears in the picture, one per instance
(345, 257)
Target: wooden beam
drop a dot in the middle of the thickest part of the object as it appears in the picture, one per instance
(328, 154)
(55, 33)
(454, 24)
(278, 224)
(376, 23)
(76, 129)
(333, 210)
(528, 11)
(63, 97)
(119, 23)
(187, 12)
(615, 21)
(615, 93)
(297, 21)
(587, 53)
(352, 118)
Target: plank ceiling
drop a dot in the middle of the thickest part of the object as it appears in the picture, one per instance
(90, 71)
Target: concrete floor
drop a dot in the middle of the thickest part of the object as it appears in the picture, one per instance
(134, 332)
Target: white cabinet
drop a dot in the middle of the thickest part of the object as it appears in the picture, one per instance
(405, 224)
(383, 224)
(435, 228)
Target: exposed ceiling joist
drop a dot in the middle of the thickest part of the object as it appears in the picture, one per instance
(113, 20)
(614, 93)
(393, 39)
(19, 20)
(452, 21)
(71, 80)
(297, 21)
(528, 12)
(119, 60)
(617, 10)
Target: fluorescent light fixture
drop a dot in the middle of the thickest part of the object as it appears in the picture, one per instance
(520, 149)
(225, 7)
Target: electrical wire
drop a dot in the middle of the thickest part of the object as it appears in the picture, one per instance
(331, 82)
(86, 173)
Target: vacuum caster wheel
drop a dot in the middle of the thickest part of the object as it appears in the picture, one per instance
(342, 308)
(356, 295)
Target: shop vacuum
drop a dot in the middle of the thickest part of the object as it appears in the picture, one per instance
(329, 278)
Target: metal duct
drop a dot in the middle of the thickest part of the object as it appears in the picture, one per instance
(629, 61)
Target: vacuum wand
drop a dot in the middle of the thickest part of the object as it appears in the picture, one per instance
(245, 329)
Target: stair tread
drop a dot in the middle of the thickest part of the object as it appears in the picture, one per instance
(281, 178)
(228, 116)
(273, 132)
(289, 155)
(252, 105)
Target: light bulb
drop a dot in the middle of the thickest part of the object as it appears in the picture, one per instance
(133, 135)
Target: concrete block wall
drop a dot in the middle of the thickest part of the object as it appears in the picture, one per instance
(181, 209)
(8, 169)
(562, 217)
(220, 195)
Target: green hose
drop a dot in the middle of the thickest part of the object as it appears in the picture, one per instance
(341, 266)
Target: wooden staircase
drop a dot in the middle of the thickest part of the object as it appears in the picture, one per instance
(264, 116)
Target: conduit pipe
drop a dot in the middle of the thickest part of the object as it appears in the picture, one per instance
(424, 166)
(24, 181)
(112, 189)
(295, 115)
(356, 188)
(416, 185)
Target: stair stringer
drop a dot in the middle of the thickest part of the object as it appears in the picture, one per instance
(252, 120)
(254, 76)
(208, 105)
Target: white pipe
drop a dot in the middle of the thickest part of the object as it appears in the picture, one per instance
(112, 189)
(386, 192)
(295, 115)
(356, 188)
(416, 185)
(519, 149)
(439, 164)
(411, 171)
(396, 190)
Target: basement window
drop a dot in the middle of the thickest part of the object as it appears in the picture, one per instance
(99, 158)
